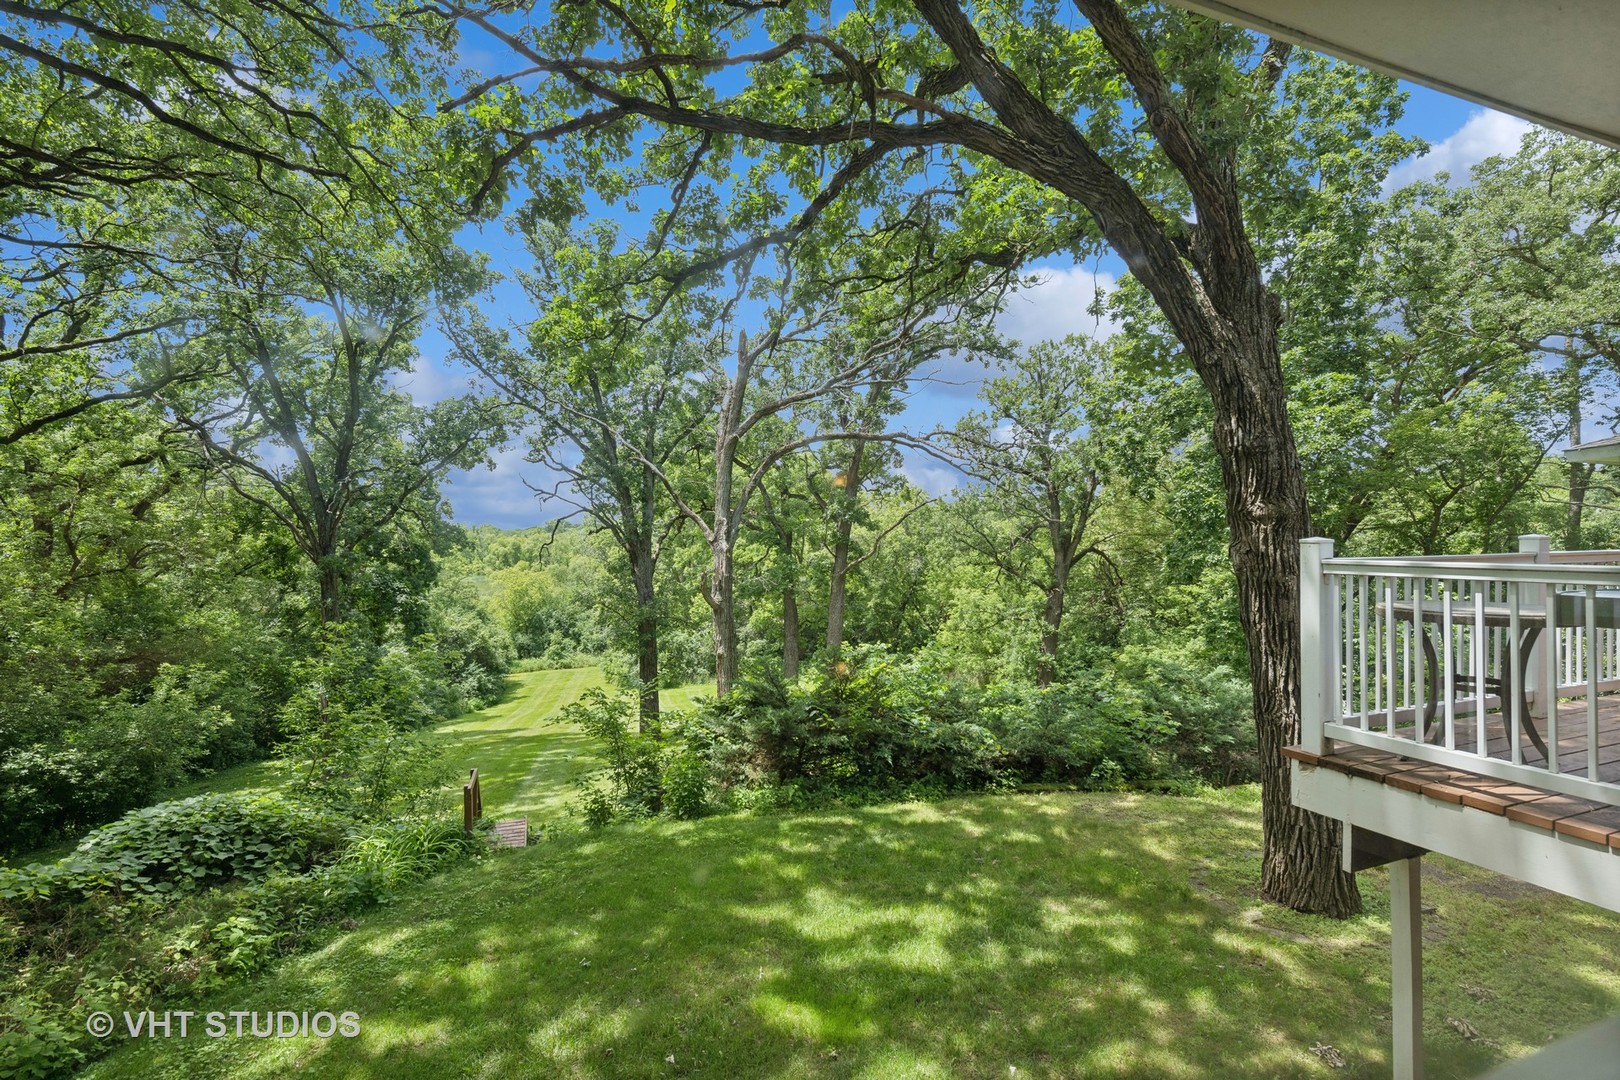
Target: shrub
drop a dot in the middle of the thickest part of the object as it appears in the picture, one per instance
(1067, 731)
(633, 773)
(686, 783)
(274, 916)
(476, 654)
(123, 750)
(1146, 716)
(867, 724)
(35, 1047)
(351, 722)
(178, 846)
(1211, 712)
(397, 852)
(112, 942)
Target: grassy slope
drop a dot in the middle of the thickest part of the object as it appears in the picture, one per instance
(525, 764)
(1061, 935)
(680, 698)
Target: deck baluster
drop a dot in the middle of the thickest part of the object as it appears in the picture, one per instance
(1515, 667)
(1591, 684)
(1478, 651)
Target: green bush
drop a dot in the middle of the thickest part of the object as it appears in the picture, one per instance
(686, 784)
(633, 772)
(867, 725)
(351, 725)
(82, 934)
(178, 846)
(475, 654)
(875, 726)
(1210, 710)
(1146, 716)
(124, 749)
(35, 1047)
(1067, 731)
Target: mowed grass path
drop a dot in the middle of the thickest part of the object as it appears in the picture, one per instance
(525, 761)
(1054, 935)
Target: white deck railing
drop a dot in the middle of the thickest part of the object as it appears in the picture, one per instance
(1446, 659)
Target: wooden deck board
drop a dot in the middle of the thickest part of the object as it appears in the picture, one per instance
(1572, 738)
(1580, 819)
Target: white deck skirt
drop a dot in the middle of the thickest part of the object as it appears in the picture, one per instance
(1573, 867)
(1556, 62)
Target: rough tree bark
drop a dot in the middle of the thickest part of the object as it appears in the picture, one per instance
(790, 634)
(1052, 614)
(838, 586)
(1216, 301)
(643, 564)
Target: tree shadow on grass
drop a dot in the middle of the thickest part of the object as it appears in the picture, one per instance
(1053, 936)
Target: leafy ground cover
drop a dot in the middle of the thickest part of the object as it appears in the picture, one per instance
(1058, 934)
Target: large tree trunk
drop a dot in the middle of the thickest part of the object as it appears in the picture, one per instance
(1052, 615)
(721, 595)
(837, 588)
(331, 586)
(790, 634)
(1267, 514)
(1211, 291)
(642, 565)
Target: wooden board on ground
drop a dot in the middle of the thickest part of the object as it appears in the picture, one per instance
(512, 832)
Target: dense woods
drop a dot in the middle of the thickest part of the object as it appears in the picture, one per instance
(752, 237)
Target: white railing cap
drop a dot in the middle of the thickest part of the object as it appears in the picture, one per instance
(1459, 570)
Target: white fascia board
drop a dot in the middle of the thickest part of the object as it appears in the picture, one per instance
(1560, 863)
(1600, 452)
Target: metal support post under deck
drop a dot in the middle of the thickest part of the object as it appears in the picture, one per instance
(1406, 975)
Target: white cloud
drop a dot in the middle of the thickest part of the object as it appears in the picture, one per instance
(1485, 134)
(1051, 309)
(1057, 306)
(499, 496)
(934, 477)
(431, 380)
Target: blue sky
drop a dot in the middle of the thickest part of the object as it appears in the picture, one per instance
(1459, 134)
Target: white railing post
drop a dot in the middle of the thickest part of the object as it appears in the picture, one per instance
(1318, 664)
(1533, 597)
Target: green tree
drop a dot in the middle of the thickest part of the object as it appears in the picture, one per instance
(1008, 132)
(116, 113)
(1035, 449)
(304, 422)
(609, 414)
(1518, 267)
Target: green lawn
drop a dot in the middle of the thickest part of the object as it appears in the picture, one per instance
(680, 698)
(525, 762)
(1051, 935)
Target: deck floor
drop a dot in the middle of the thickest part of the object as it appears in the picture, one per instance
(1572, 734)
